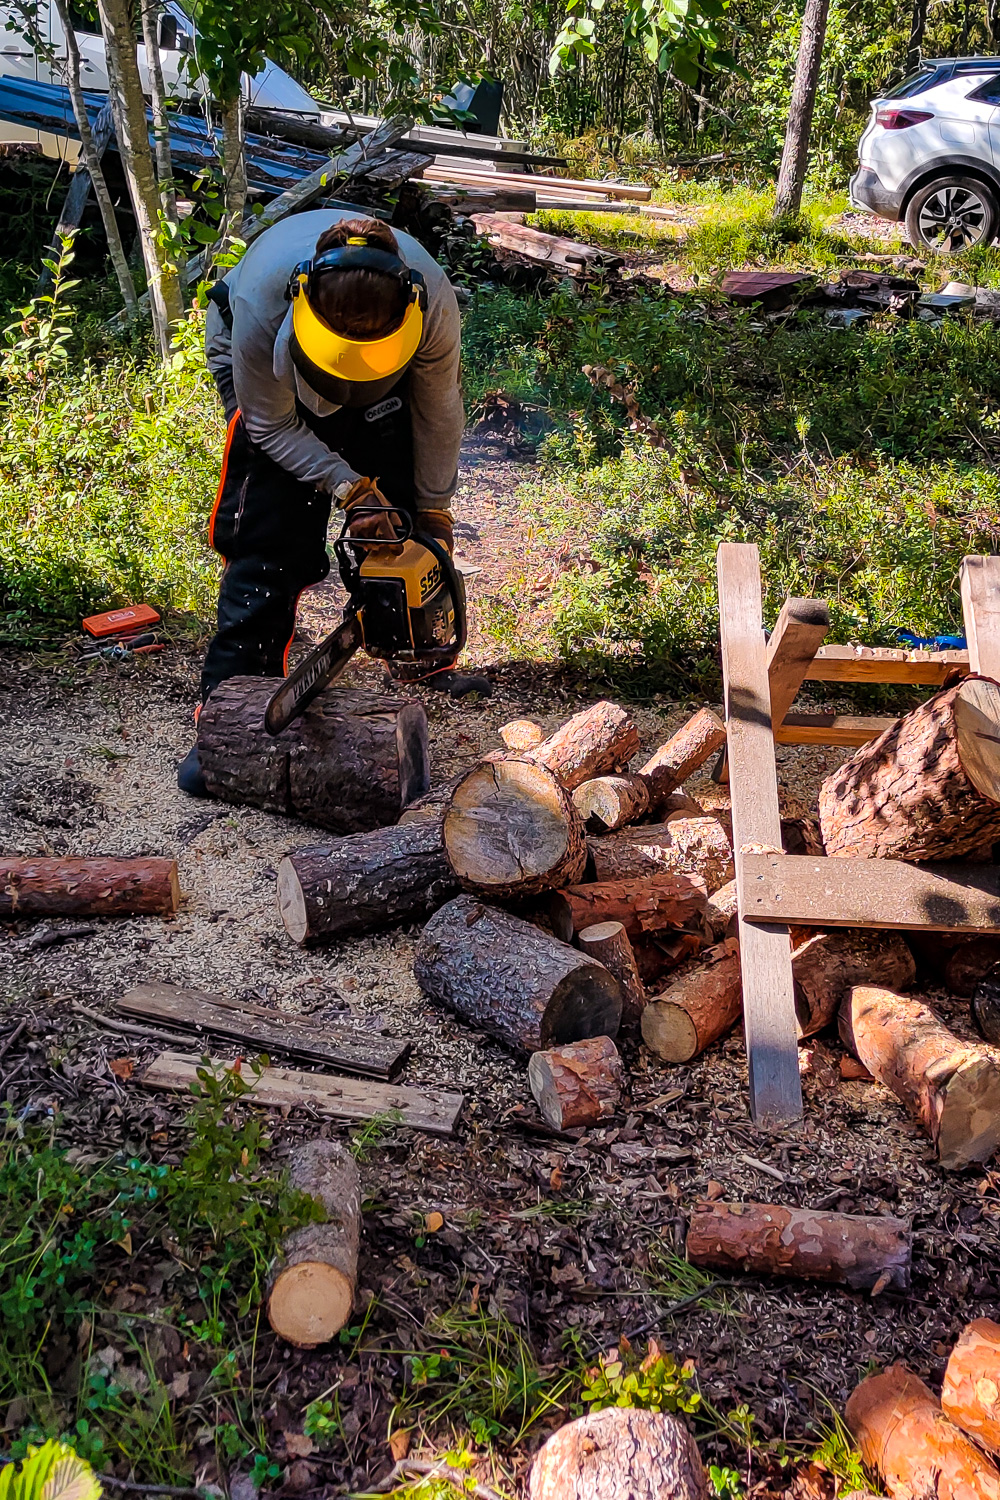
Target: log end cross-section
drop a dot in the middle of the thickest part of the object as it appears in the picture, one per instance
(511, 830)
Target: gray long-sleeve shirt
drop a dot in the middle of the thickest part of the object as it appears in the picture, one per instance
(268, 384)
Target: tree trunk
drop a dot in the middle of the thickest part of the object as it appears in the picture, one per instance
(795, 156)
(511, 830)
(579, 1084)
(826, 965)
(902, 1433)
(350, 763)
(986, 1006)
(88, 887)
(952, 1087)
(926, 789)
(521, 734)
(671, 765)
(970, 1395)
(609, 802)
(620, 1453)
(915, 41)
(311, 1289)
(721, 909)
(698, 1008)
(364, 883)
(768, 1239)
(608, 942)
(656, 904)
(234, 168)
(684, 846)
(508, 978)
(597, 741)
(969, 963)
(150, 12)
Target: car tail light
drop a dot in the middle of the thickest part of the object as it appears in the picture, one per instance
(901, 119)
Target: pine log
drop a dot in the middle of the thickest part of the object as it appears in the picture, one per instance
(509, 979)
(952, 1087)
(698, 1008)
(721, 910)
(898, 1425)
(364, 882)
(768, 1239)
(986, 1007)
(521, 734)
(608, 942)
(655, 904)
(592, 743)
(684, 846)
(826, 965)
(659, 954)
(511, 830)
(970, 1394)
(926, 789)
(620, 1453)
(969, 963)
(609, 802)
(350, 763)
(311, 1288)
(431, 805)
(94, 886)
(579, 1084)
(671, 765)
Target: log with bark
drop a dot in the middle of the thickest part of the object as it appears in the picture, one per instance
(671, 765)
(686, 846)
(698, 1007)
(969, 963)
(510, 830)
(350, 763)
(970, 1394)
(592, 743)
(609, 802)
(661, 953)
(431, 805)
(826, 965)
(863, 1252)
(578, 1084)
(926, 789)
(506, 977)
(901, 1431)
(364, 883)
(88, 886)
(609, 943)
(620, 1453)
(657, 904)
(311, 1287)
(721, 911)
(951, 1086)
(521, 734)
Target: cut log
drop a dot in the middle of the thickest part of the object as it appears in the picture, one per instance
(595, 742)
(311, 1288)
(970, 1394)
(511, 830)
(550, 249)
(926, 789)
(671, 765)
(659, 954)
(350, 763)
(93, 886)
(431, 805)
(609, 802)
(608, 942)
(721, 910)
(684, 846)
(952, 1087)
(969, 963)
(986, 1007)
(579, 1084)
(507, 978)
(620, 1453)
(898, 1425)
(656, 904)
(767, 1239)
(826, 965)
(698, 1008)
(364, 883)
(521, 734)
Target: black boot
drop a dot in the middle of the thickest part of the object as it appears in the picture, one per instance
(455, 684)
(189, 775)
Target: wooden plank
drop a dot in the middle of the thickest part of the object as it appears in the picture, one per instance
(768, 999)
(981, 608)
(340, 1046)
(633, 192)
(811, 891)
(885, 664)
(347, 1099)
(850, 730)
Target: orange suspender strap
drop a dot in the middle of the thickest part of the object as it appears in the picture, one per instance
(222, 477)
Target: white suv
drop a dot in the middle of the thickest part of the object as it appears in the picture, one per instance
(931, 155)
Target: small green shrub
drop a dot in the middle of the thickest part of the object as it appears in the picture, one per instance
(655, 1383)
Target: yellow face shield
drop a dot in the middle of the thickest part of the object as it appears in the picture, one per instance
(354, 359)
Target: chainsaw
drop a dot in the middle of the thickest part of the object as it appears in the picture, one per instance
(406, 606)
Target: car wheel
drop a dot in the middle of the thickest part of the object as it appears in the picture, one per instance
(951, 215)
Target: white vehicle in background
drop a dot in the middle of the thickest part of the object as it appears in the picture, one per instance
(930, 155)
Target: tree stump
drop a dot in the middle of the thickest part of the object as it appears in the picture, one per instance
(926, 789)
(671, 765)
(698, 1008)
(311, 1288)
(591, 743)
(609, 802)
(579, 1084)
(511, 830)
(608, 942)
(684, 846)
(970, 1395)
(510, 979)
(620, 1453)
(826, 965)
(768, 1239)
(642, 906)
(350, 763)
(521, 734)
(952, 1087)
(93, 886)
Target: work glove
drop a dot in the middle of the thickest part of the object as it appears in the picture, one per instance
(438, 524)
(363, 493)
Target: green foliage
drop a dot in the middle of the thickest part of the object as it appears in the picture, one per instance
(838, 1454)
(655, 1383)
(322, 1423)
(725, 1482)
(51, 1472)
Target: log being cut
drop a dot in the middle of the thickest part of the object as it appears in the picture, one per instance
(620, 1453)
(655, 904)
(952, 1087)
(671, 765)
(609, 943)
(970, 1394)
(697, 1008)
(91, 886)
(310, 1291)
(592, 743)
(827, 965)
(510, 830)
(577, 1084)
(350, 763)
(926, 789)
(903, 1434)
(684, 846)
(508, 978)
(767, 1239)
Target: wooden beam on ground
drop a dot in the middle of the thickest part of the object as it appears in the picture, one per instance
(768, 998)
(812, 891)
(981, 609)
(886, 664)
(338, 1045)
(347, 1099)
(848, 730)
